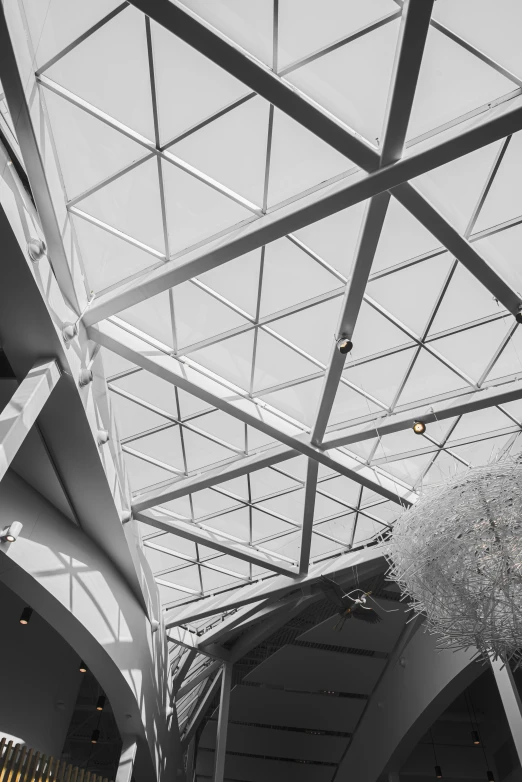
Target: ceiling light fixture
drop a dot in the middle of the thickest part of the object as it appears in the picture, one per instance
(419, 427)
(10, 534)
(26, 615)
(95, 736)
(344, 345)
(100, 703)
(491, 777)
(438, 772)
(476, 738)
(83, 667)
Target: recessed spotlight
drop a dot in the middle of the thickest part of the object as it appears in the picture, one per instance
(26, 615)
(344, 345)
(419, 427)
(10, 534)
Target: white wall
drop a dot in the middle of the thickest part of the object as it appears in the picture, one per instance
(413, 692)
(39, 679)
(65, 577)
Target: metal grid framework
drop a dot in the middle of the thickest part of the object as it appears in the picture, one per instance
(223, 204)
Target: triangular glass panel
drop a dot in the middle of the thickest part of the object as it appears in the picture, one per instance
(312, 329)
(54, 26)
(237, 281)
(402, 238)
(208, 501)
(266, 526)
(326, 507)
(190, 88)
(289, 505)
(411, 294)
(306, 27)
(343, 489)
(452, 81)
(110, 70)
(359, 102)
(276, 363)
(201, 452)
(132, 419)
(113, 364)
(190, 405)
(231, 359)
(287, 545)
(151, 389)
(291, 276)
(299, 160)
(374, 333)
(152, 316)
(380, 378)
(349, 405)
(299, 402)
(164, 446)
(225, 427)
(490, 419)
(265, 482)
(198, 315)
(455, 189)
(472, 350)
(502, 252)
(248, 24)
(89, 150)
(409, 469)
(240, 136)
(484, 451)
(143, 474)
(456, 309)
(334, 239)
(429, 378)
(131, 204)
(235, 523)
(365, 530)
(196, 211)
(213, 579)
(504, 200)
(492, 29)
(107, 259)
(510, 360)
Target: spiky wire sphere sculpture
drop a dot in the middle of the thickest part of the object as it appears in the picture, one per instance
(457, 555)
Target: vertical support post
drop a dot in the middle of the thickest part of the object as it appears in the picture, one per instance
(510, 700)
(224, 707)
(191, 757)
(127, 757)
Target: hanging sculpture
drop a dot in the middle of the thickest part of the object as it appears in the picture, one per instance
(457, 555)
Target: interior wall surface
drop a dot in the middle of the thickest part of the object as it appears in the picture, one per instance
(415, 689)
(62, 574)
(39, 679)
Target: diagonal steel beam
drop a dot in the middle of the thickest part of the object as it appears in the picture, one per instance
(21, 412)
(189, 531)
(138, 351)
(21, 116)
(201, 710)
(258, 77)
(415, 24)
(188, 659)
(387, 424)
(199, 677)
(308, 209)
(365, 562)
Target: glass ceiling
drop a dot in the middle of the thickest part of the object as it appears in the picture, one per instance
(152, 151)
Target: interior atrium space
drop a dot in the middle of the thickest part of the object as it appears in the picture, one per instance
(260, 391)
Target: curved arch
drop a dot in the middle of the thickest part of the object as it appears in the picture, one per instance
(417, 686)
(73, 585)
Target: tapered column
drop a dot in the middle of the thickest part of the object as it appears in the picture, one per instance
(224, 708)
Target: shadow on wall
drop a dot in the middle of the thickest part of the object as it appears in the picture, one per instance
(62, 574)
